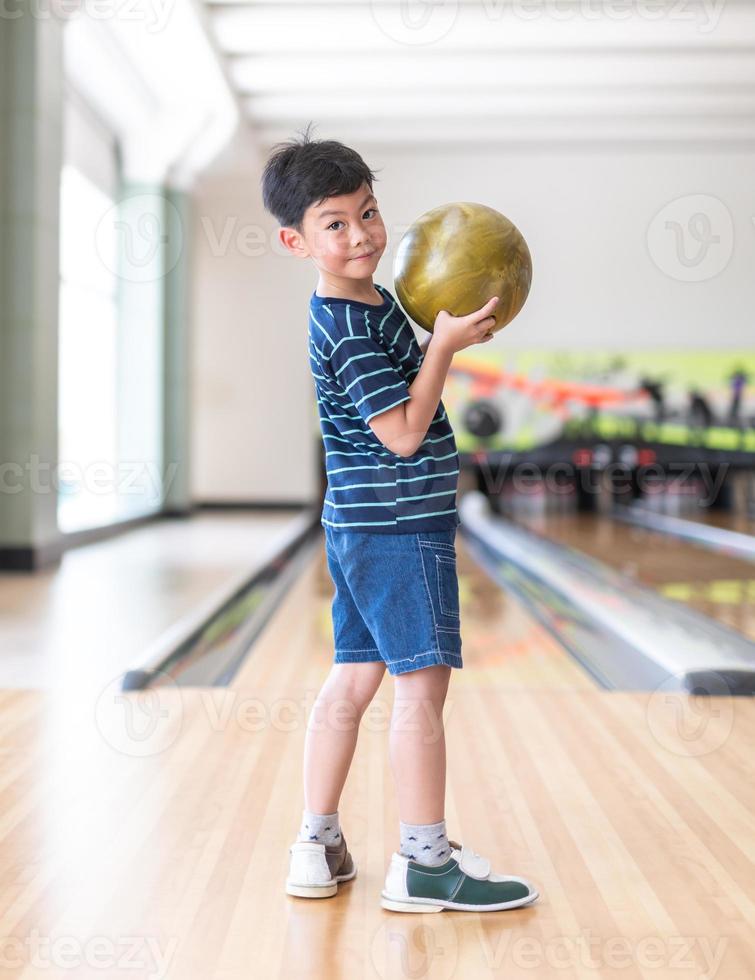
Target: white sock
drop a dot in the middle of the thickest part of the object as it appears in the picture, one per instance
(425, 842)
(323, 828)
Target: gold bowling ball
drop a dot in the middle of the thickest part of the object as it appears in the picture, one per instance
(455, 257)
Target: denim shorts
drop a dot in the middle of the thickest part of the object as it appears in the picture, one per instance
(396, 598)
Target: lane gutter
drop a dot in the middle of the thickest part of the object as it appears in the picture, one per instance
(626, 636)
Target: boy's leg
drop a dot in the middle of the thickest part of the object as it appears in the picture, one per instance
(418, 744)
(320, 857)
(332, 731)
(431, 873)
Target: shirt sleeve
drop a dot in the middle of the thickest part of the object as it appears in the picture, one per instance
(364, 371)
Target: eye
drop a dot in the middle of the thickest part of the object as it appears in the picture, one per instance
(338, 222)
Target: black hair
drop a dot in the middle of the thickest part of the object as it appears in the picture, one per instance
(303, 172)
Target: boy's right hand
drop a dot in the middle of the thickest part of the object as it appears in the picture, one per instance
(455, 333)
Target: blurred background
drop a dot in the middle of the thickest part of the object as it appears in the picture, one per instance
(162, 471)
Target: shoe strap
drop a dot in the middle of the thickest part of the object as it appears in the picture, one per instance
(470, 862)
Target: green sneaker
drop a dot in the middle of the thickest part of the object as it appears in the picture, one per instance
(464, 882)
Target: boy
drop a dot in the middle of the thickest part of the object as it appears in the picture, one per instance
(390, 523)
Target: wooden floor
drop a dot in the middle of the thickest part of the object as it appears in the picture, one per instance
(154, 828)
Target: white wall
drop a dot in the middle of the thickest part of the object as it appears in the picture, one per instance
(585, 216)
(253, 436)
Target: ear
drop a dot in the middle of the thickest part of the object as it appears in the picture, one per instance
(292, 240)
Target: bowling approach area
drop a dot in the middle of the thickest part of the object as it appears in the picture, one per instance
(150, 801)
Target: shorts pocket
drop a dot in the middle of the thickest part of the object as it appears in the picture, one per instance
(448, 585)
(439, 568)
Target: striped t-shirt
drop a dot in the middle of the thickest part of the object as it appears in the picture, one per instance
(363, 357)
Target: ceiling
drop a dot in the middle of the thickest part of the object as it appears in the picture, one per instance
(494, 71)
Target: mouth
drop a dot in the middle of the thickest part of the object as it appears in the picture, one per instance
(366, 255)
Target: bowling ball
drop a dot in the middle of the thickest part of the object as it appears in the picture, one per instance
(455, 258)
(482, 418)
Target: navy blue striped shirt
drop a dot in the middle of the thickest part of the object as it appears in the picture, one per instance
(363, 358)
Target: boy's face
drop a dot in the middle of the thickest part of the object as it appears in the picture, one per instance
(337, 232)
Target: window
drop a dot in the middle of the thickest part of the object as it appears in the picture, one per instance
(88, 364)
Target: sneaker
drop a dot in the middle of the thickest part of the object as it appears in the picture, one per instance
(464, 882)
(316, 868)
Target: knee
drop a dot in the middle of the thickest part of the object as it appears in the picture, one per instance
(355, 684)
(428, 683)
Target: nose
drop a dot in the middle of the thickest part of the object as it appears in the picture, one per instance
(359, 235)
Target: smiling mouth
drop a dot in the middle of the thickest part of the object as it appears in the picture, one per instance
(365, 256)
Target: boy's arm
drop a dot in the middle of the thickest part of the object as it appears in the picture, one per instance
(365, 373)
(403, 427)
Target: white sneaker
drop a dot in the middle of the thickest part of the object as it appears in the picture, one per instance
(316, 869)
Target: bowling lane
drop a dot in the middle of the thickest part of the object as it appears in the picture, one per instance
(716, 585)
(741, 523)
(503, 644)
